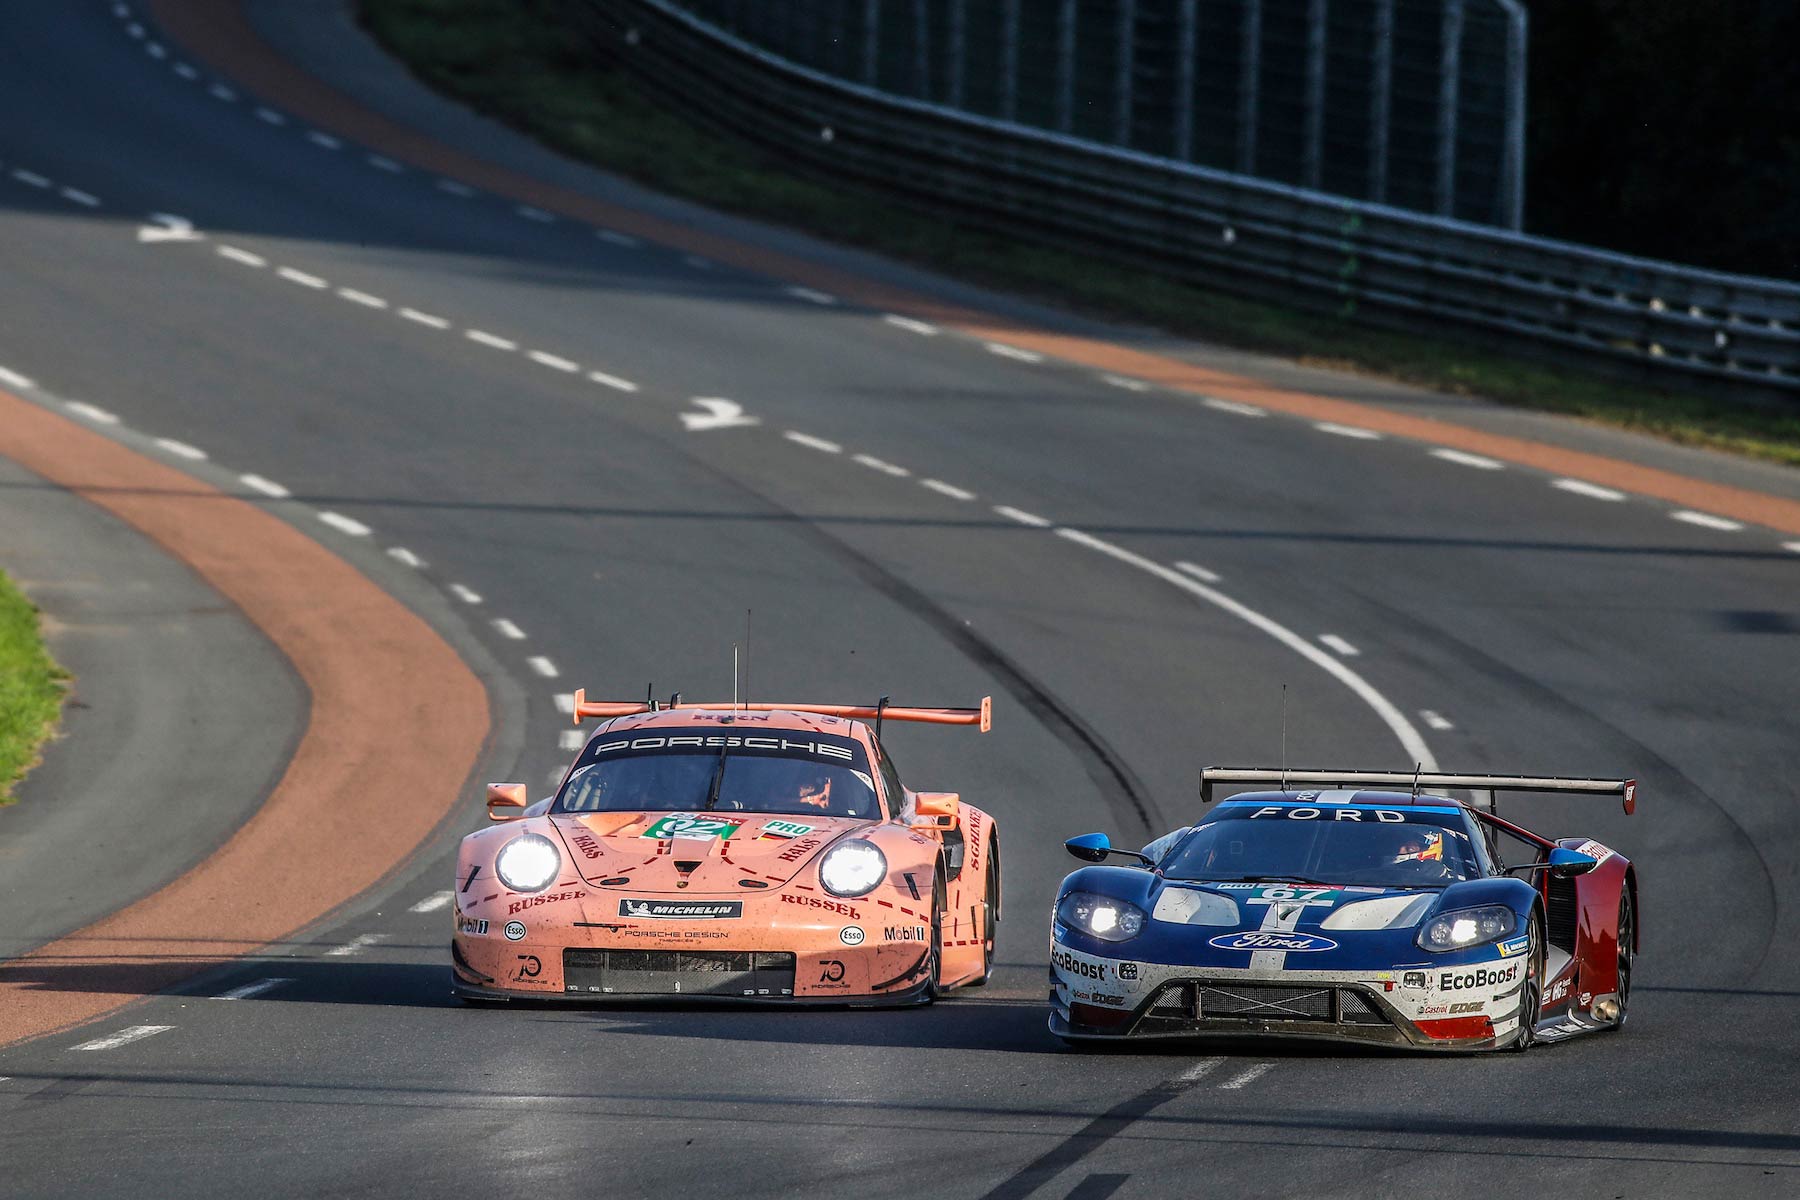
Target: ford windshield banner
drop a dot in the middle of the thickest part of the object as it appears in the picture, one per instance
(1293, 943)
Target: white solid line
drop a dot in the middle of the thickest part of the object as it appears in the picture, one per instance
(1581, 487)
(1349, 431)
(1021, 516)
(1233, 407)
(565, 703)
(1435, 720)
(219, 91)
(910, 325)
(242, 256)
(345, 524)
(698, 263)
(882, 465)
(155, 50)
(813, 443)
(433, 902)
(186, 72)
(1194, 1073)
(1410, 740)
(30, 178)
(267, 487)
(361, 941)
(271, 116)
(1793, 546)
(488, 339)
(534, 214)
(1463, 458)
(301, 278)
(466, 594)
(405, 557)
(612, 381)
(543, 666)
(181, 449)
(1198, 572)
(1707, 520)
(325, 140)
(810, 296)
(129, 1034)
(571, 739)
(362, 298)
(1013, 352)
(382, 163)
(554, 362)
(1122, 381)
(946, 489)
(413, 314)
(14, 379)
(507, 629)
(92, 412)
(618, 239)
(252, 989)
(455, 188)
(77, 196)
(1249, 1075)
(1334, 642)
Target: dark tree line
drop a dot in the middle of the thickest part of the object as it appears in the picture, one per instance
(1668, 128)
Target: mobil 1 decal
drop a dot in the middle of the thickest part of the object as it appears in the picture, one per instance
(693, 825)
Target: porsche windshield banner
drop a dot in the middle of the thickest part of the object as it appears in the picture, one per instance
(782, 744)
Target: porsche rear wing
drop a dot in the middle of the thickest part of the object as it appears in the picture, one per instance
(981, 716)
(1419, 781)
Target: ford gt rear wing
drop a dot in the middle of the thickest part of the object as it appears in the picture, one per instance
(981, 716)
(1418, 781)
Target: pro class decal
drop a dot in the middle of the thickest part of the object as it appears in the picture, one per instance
(682, 910)
(785, 829)
(1253, 940)
(692, 825)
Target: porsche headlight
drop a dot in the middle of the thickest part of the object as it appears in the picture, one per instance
(1465, 927)
(852, 869)
(1108, 919)
(528, 863)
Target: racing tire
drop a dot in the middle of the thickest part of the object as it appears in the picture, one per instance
(990, 915)
(1531, 990)
(935, 967)
(1627, 952)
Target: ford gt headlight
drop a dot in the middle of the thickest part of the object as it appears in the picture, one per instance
(1467, 927)
(852, 869)
(1105, 918)
(528, 863)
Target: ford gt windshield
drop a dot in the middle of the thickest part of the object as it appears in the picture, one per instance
(782, 771)
(1372, 847)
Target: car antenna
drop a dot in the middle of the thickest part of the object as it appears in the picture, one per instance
(1418, 769)
(650, 695)
(747, 613)
(880, 707)
(736, 674)
(674, 699)
(1284, 737)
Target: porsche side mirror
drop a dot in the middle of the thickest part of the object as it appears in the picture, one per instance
(506, 801)
(1089, 847)
(936, 810)
(1565, 864)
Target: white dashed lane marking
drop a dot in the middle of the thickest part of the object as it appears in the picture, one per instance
(813, 443)
(267, 487)
(343, 524)
(1434, 720)
(301, 278)
(1233, 407)
(1349, 431)
(554, 362)
(882, 465)
(1013, 352)
(242, 256)
(324, 140)
(30, 178)
(433, 902)
(612, 381)
(624, 240)
(1706, 520)
(947, 489)
(810, 296)
(270, 116)
(1199, 1070)
(1338, 645)
(219, 91)
(1250, 1075)
(92, 412)
(1465, 459)
(535, 214)
(14, 379)
(186, 72)
(565, 703)
(507, 629)
(571, 739)
(131, 1033)
(156, 50)
(76, 196)
(250, 990)
(466, 594)
(543, 666)
(1792, 546)
(1126, 382)
(381, 163)
(362, 298)
(1592, 491)
(405, 557)
(181, 449)
(1022, 517)
(462, 190)
(910, 325)
(485, 338)
(355, 945)
(420, 318)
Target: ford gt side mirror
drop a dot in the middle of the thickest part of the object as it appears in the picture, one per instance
(1089, 847)
(1567, 863)
(935, 810)
(506, 801)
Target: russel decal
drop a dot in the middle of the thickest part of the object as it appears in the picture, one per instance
(682, 910)
(692, 825)
(1257, 939)
(519, 906)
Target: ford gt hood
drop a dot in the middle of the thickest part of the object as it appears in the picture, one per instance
(695, 853)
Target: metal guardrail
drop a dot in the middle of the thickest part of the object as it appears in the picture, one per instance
(1361, 260)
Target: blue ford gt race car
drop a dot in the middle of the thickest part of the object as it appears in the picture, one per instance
(1360, 909)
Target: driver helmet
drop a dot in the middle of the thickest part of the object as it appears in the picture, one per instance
(815, 789)
(1419, 845)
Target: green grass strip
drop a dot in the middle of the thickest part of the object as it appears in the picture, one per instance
(31, 687)
(518, 61)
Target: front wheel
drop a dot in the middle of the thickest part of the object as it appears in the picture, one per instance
(1531, 991)
(1627, 952)
(935, 966)
(990, 915)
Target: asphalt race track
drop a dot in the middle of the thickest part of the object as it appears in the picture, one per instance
(497, 405)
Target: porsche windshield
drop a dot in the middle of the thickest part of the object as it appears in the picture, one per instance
(1405, 846)
(780, 771)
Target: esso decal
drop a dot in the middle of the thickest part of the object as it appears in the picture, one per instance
(852, 935)
(515, 931)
